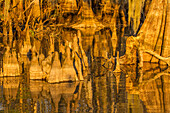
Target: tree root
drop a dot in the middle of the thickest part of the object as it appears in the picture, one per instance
(164, 59)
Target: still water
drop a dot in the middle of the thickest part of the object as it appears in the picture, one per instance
(110, 93)
(67, 56)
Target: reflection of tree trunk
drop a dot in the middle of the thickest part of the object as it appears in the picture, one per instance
(161, 93)
(153, 92)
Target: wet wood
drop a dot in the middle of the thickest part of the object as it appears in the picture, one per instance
(56, 70)
(35, 69)
(10, 63)
(151, 29)
(68, 71)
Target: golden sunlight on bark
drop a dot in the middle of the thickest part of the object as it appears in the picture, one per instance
(64, 56)
(134, 13)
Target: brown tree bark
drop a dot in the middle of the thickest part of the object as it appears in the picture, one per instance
(154, 35)
(152, 41)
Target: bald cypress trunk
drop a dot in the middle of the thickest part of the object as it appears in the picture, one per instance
(6, 18)
(166, 40)
(154, 35)
(152, 41)
(134, 13)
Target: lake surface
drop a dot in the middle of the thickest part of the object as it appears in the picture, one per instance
(109, 93)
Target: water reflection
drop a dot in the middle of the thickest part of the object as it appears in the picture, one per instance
(151, 88)
(113, 92)
(54, 97)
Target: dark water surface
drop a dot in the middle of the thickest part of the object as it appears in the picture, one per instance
(102, 91)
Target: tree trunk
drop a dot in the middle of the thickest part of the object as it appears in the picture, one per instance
(154, 35)
(134, 13)
(166, 40)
